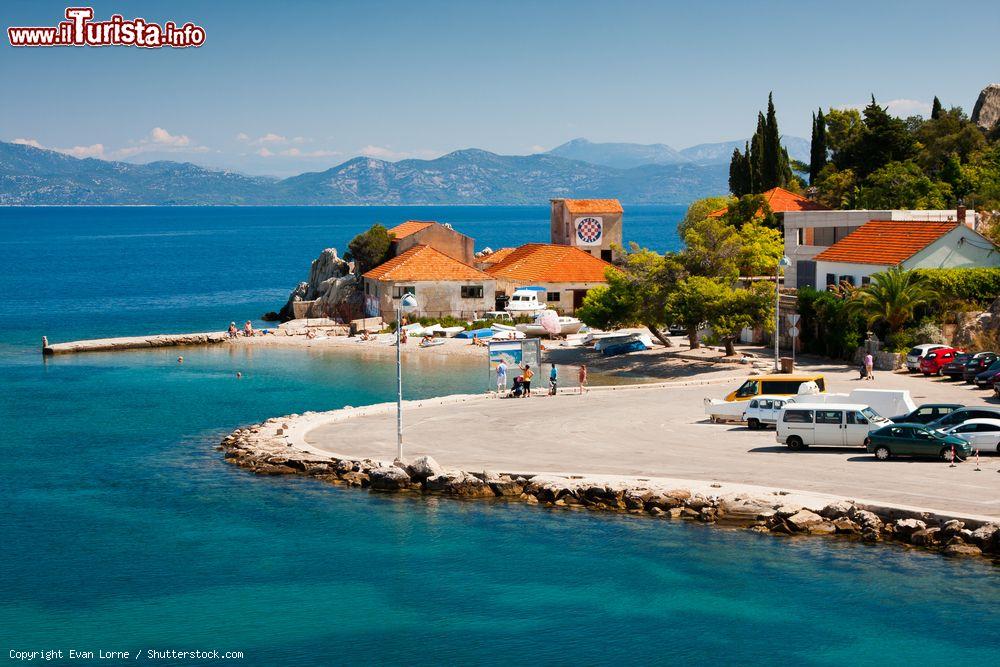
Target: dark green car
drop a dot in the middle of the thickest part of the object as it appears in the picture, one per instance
(909, 439)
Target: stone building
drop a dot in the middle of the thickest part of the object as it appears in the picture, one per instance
(442, 285)
(567, 273)
(592, 225)
(434, 234)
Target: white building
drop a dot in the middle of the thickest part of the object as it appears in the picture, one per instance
(808, 233)
(881, 244)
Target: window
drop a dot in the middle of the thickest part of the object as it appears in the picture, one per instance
(829, 416)
(800, 236)
(781, 386)
(865, 280)
(798, 416)
(399, 290)
(831, 279)
(847, 279)
(753, 403)
(552, 296)
(824, 236)
(765, 404)
(901, 432)
(472, 291)
(748, 388)
(606, 255)
(925, 412)
(855, 417)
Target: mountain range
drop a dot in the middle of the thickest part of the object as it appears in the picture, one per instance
(633, 173)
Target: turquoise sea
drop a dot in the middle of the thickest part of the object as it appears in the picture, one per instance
(122, 529)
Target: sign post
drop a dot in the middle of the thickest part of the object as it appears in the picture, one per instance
(514, 353)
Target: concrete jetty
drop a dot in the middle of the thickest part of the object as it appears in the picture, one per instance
(134, 343)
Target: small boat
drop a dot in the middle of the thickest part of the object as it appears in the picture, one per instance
(525, 301)
(433, 330)
(606, 341)
(451, 332)
(477, 333)
(505, 332)
(624, 348)
(432, 343)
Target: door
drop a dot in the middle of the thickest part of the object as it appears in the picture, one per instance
(829, 428)
(925, 444)
(776, 406)
(855, 429)
(578, 295)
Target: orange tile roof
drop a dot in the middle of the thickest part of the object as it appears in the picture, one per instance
(781, 201)
(885, 242)
(422, 262)
(592, 205)
(495, 256)
(410, 227)
(547, 263)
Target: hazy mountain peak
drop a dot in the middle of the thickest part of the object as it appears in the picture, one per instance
(618, 155)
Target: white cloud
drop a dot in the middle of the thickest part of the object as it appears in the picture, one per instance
(28, 142)
(296, 152)
(901, 107)
(537, 149)
(94, 150)
(386, 153)
(271, 138)
(160, 136)
(242, 136)
(263, 152)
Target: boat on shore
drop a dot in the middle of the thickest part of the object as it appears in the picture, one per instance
(524, 301)
(567, 325)
(603, 341)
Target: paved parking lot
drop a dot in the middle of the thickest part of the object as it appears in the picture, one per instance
(663, 432)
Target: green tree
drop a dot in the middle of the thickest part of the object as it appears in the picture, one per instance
(771, 158)
(844, 128)
(761, 248)
(885, 139)
(817, 147)
(837, 188)
(690, 304)
(891, 298)
(936, 109)
(739, 174)
(369, 249)
(740, 308)
(635, 294)
(750, 208)
(902, 185)
(712, 248)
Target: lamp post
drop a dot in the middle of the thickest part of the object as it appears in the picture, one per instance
(777, 306)
(406, 304)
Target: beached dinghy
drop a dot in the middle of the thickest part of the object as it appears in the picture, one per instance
(451, 332)
(549, 323)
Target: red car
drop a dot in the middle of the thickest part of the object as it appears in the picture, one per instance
(932, 362)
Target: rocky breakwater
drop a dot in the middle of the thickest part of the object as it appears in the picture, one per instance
(330, 290)
(267, 449)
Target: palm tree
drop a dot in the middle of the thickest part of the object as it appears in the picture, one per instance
(891, 297)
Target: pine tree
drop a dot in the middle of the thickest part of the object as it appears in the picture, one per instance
(739, 174)
(818, 148)
(936, 109)
(756, 153)
(772, 172)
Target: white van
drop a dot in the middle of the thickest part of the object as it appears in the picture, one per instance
(827, 424)
(762, 411)
(882, 401)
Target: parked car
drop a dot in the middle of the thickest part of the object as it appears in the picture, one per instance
(977, 364)
(762, 411)
(953, 369)
(926, 413)
(913, 356)
(982, 434)
(962, 415)
(832, 424)
(915, 440)
(984, 379)
(932, 362)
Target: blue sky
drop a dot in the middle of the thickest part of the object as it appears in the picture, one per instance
(285, 87)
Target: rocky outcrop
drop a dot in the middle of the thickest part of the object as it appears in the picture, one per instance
(136, 343)
(330, 287)
(265, 450)
(986, 113)
(973, 325)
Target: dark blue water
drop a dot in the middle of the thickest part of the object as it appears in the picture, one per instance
(121, 527)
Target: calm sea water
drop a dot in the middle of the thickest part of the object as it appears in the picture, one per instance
(122, 529)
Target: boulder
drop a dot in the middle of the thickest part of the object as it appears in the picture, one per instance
(986, 535)
(837, 509)
(506, 486)
(389, 478)
(986, 112)
(355, 478)
(845, 526)
(459, 483)
(925, 538)
(803, 520)
(822, 528)
(869, 521)
(423, 467)
(906, 527)
(330, 285)
(962, 549)
(951, 528)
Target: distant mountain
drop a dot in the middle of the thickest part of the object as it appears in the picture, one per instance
(619, 156)
(722, 152)
(36, 176)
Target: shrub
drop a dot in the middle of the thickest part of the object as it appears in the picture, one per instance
(928, 332)
(979, 285)
(828, 327)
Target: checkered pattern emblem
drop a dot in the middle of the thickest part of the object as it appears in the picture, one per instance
(589, 230)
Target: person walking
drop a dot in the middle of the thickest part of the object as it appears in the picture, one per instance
(582, 377)
(501, 378)
(869, 367)
(553, 381)
(528, 374)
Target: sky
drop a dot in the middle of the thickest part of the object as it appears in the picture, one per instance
(285, 87)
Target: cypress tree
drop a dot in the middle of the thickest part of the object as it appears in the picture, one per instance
(739, 174)
(771, 155)
(936, 109)
(756, 153)
(817, 148)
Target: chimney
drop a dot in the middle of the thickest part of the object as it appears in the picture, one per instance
(960, 215)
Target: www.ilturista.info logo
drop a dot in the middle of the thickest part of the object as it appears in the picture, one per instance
(81, 30)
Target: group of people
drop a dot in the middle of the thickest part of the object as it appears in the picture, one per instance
(248, 331)
(522, 383)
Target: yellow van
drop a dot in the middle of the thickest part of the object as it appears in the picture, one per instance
(781, 385)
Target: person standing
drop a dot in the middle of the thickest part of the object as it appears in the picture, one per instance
(869, 367)
(582, 377)
(501, 378)
(553, 381)
(528, 374)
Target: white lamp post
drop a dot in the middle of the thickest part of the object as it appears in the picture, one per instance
(406, 304)
(777, 306)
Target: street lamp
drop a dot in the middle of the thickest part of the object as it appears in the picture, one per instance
(407, 304)
(777, 306)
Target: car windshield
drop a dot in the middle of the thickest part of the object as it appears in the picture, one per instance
(916, 352)
(870, 414)
(995, 366)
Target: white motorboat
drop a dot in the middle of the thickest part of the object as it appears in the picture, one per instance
(608, 340)
(567, 325)
(451, 332)
(525, 301)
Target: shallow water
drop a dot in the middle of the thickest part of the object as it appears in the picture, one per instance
(123, 528)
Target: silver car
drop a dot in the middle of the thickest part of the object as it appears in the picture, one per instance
(913, 356)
